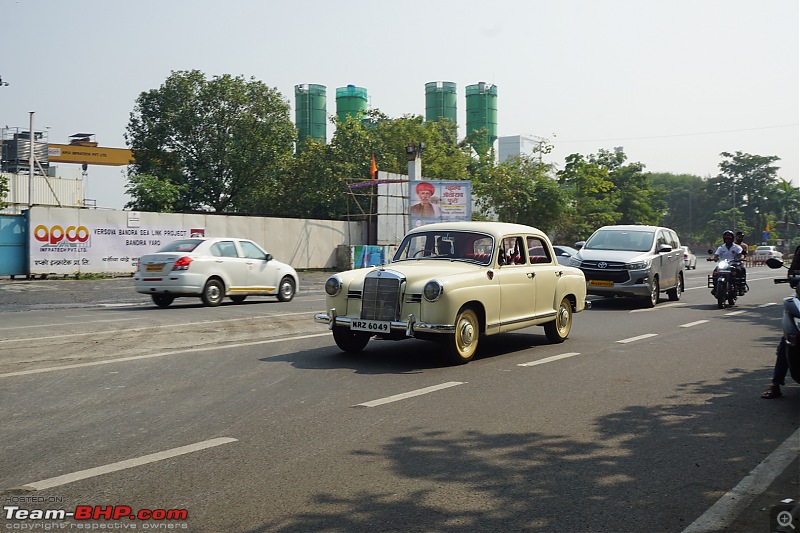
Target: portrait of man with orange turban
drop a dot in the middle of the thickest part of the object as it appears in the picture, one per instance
(427, 207)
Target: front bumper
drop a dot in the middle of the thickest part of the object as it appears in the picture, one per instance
(410, 326)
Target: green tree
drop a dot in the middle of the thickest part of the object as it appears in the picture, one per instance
(150, 193)
(593, 203)
(688, 205)
(219, 140)
(742, 188)
(720, 222)
(638, 202)
(522, 190)
(4, 189)
(317, 182)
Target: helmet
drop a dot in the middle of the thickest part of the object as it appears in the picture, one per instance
(727, 234)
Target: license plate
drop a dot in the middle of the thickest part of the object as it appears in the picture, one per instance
(373, 326)
(600, 283)
(155, 267)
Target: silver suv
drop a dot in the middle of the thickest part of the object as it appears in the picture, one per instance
(639, 261)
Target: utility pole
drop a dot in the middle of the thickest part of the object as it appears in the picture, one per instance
(31, 163)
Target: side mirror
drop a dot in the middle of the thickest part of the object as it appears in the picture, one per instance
(579, 244)
(268, 257)
(774, 263)
(663, 248)
(710, 251)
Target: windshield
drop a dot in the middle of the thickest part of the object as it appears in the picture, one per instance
(181, 245)
(624, 240)
(448, 245)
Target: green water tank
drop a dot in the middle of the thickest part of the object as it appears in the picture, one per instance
(482, 111)
(310, 111)
(440, 101)
(351, 101)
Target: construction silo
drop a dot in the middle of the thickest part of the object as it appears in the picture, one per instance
(351, 101)
(482, 111)
(310, 111)
(440, 101)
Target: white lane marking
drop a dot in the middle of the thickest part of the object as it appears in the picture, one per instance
(690, 324)
(154, 326)
(767, 305)
(550, 359)
(727, 508)
(149, 356)
(662, 306)
(640, 337)
(130, 463)
(411, 394)
(736, 313)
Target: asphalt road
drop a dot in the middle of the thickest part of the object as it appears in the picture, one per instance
(250, 419)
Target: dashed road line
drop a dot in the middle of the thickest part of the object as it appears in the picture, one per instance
(637, 338)
(691, 324)
(123, 465)
(662, 306)
(411, 394)
(734, 313)
(550, 359)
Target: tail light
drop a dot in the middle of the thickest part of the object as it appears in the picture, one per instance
(182, 263)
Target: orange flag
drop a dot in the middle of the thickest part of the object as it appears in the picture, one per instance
(373, 168)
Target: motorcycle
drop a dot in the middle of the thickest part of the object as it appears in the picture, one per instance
(726, 281)
(791, 320)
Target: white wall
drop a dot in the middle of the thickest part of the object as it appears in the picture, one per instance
(69, 241)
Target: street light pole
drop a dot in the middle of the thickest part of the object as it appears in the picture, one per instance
(31, 162)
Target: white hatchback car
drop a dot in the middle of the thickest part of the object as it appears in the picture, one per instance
(212, 268)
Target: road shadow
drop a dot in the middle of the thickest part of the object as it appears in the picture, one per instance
(643, 468)
(404, 356)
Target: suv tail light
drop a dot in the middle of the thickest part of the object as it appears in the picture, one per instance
(182, 263)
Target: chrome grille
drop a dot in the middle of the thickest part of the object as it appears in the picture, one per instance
(380, 299)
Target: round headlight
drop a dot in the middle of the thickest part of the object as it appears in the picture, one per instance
(433, 290)
(333, 286)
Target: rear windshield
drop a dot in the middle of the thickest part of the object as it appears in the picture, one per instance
(182, 245)
(624, 240)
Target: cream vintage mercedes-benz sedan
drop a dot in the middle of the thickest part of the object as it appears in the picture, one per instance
(453, 282)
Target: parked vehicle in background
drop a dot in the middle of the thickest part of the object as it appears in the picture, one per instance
(211, 269)
(763, 253)
(689, 259)
(564, 254)
(632, 260)
(453, 282)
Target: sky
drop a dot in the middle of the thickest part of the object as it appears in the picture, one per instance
(674, 83)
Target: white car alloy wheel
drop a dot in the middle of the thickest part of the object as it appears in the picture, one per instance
(286, 289)
(464, 342)
(559, 329)
(213, 292)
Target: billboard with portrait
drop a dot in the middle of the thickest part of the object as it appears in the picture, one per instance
(439, 201)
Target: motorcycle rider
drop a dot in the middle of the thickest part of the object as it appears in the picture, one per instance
(781, 363)
(739, 239)
(727, 250)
